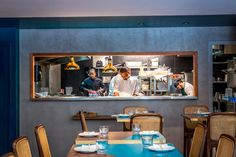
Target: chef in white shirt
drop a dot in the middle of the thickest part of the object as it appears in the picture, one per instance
(126, 85)
(185, 87)
(111, 85)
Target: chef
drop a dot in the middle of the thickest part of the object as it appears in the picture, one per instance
(92, 85)
(185, 88)
(126, 85)
(111, 85)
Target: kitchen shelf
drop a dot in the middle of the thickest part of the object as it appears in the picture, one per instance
(220, 62)
(219, 81)
(153, 82)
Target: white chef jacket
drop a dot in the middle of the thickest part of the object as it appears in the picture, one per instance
(127, 87)
(188, 88)
(111, 85)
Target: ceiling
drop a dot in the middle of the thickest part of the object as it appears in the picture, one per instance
(97, 8)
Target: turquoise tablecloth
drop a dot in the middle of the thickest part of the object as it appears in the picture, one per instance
(137, 150)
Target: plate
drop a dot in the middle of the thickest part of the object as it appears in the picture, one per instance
(123, 116)
(149, 133)
(90, 148)
(161, 147)
(89, 134)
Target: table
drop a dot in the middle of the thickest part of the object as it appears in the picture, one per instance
(97, 117)
(195, 117)
(122, 145)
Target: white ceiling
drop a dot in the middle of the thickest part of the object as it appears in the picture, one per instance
(83, 8)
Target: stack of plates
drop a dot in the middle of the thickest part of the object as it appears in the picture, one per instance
(123, 116)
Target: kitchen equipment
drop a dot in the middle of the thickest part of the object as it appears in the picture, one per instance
(133, 63)
(231, 79)
(228, 92)
(99, 63)
(69, 90)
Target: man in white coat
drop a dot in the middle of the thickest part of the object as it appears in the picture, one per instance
(185, 87)
(126, 85)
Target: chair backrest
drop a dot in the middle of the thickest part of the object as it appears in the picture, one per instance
(148, 121)
(140, 109)
(9, 154)
(42, 141)
(226, 146)
(198, 142)
(221, 123)
(191, 109)
(133, 109)
(83, 122)
(21, 147)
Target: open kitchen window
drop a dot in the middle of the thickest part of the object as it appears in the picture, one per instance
(59, 76)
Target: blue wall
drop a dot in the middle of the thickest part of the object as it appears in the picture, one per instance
(9, 82)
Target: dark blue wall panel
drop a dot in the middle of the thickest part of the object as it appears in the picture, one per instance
(9, 95)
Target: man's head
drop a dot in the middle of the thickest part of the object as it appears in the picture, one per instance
(179, 84)
(92, 73)
(125, 73)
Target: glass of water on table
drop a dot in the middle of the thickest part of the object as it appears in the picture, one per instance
(102, 141)
(136, 128)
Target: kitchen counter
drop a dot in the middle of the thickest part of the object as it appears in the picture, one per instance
(83, 98)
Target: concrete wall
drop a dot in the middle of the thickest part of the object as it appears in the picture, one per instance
(56, 115)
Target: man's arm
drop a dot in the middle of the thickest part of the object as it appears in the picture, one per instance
(83, 87)
(102, 87)
(137, 88)
(116, 87)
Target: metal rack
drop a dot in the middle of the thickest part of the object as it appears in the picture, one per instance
(153, 85)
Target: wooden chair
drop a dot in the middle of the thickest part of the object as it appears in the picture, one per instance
(198, 142)
(134, 109)
(219, 123)
(148, 122)
(21, 147)
(42, 141)
(9, 154)
(226, 146)
(189, 126)
(83, 122)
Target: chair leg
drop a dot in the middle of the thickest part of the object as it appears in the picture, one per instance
(185, 146)
(208, 149)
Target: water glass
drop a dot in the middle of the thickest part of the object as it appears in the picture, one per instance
(104, 130)
(102, 145)
(147, 140)
(136, 128)
(44, 91)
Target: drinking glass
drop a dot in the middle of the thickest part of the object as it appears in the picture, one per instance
(136, 128)
(102, 145)
(44, 91)
(104, 130)
(147, 140)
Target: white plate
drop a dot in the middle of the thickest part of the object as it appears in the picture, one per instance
(161, 147)
(89, 134)
(86, 148)
(149, 133)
